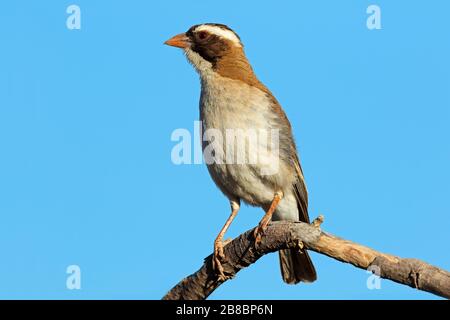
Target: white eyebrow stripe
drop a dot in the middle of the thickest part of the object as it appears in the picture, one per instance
(221, 32)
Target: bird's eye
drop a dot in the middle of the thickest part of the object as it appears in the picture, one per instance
(202, 35)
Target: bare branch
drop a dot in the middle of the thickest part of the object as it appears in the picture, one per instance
(241, 253)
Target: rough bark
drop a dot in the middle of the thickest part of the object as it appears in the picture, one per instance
(241, 252)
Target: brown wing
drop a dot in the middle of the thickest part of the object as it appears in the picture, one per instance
(301, 193)
(296, 265)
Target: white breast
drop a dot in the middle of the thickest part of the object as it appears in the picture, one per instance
(231, 104)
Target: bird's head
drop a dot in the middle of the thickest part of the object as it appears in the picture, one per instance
(210, 46)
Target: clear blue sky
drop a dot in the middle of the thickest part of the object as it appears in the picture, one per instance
(86, 116)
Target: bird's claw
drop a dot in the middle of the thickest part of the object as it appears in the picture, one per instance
(260, 230)
(218, 258)
(257, 234)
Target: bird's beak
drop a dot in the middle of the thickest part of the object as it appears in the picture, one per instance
(179, 41)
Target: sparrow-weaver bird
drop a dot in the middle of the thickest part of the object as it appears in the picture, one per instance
(232, 98)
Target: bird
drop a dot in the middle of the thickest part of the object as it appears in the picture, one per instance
(232, 98)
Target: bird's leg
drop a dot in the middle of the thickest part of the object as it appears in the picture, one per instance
(219, 244)
(259, 230)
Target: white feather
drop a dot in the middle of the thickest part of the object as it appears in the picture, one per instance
(203, 66)
(221, 32)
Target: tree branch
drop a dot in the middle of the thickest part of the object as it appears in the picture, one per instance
(241, 253)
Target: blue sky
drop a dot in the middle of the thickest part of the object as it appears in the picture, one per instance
(86, 116)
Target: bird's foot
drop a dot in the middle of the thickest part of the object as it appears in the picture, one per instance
(260, 229)
(219, 257)
(257, 234)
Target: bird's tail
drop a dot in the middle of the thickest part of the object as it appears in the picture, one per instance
(296, 266)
